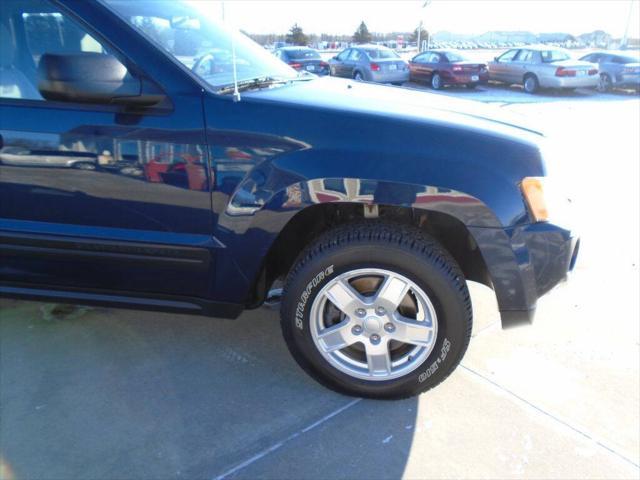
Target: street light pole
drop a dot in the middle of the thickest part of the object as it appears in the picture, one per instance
(424, 5)
(623, 44)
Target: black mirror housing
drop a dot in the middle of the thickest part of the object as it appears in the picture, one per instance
(91, 78)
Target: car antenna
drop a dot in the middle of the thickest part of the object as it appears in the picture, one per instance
(236, 92)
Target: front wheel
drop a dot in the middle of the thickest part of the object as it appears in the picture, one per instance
(376, 310)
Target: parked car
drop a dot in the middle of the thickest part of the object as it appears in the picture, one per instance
(303, 59)
(372, 205)
(616, 69)
(536, 67)
(371, 63)
(446, 67)
(23, 157)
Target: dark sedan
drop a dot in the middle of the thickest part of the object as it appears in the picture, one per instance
(303, 59)
(444, 67)
(616, 69)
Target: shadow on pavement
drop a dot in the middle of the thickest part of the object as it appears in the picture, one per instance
(103, 393)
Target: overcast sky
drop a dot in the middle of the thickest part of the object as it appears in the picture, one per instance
(459, 16)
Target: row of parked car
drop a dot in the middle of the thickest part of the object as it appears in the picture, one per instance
(534, 67)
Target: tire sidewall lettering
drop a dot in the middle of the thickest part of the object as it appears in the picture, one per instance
(433, 368)
(307, 294)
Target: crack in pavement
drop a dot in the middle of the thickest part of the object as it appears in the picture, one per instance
(281, 443)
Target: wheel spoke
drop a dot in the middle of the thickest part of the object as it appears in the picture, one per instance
(378, 358)
(344, 297)
(337, 337)
(391, 293)
(413, 331)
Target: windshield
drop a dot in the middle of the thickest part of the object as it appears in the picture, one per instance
(187, 32)
(554, 56)
(381, 53)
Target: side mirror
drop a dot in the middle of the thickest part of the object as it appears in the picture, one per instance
(93, 78)
(495, 59)
(334, 58)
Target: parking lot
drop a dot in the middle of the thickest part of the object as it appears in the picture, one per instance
(104, 393)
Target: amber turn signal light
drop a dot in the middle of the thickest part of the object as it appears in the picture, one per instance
(533, 192)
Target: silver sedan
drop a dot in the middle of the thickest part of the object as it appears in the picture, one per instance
(542, 67)
(372, 63)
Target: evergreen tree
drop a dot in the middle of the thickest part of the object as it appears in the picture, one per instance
(362, 34)
(296, 36)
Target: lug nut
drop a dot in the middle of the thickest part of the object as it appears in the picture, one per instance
(375, 339)
(361, 312)
(356, 330)
(380, 310)
(389, 327)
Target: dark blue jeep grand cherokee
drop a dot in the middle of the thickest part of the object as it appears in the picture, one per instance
(152, 159)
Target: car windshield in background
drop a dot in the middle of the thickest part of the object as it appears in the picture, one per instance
(303, 54)
(454, 57)
(186, 32)
(381, 54)
(549, 56)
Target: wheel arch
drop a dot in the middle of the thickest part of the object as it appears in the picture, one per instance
(307, 224)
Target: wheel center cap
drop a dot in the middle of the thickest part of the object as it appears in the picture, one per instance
(372, 325)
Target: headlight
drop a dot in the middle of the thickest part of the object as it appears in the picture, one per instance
(534, 195)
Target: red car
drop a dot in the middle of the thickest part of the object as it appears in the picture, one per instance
(441, 67)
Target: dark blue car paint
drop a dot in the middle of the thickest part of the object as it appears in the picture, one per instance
(195, 239)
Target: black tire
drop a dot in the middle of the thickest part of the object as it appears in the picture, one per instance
(357, 76)
(436, 81)
(530, 83)
(405, 251)
(605, 84)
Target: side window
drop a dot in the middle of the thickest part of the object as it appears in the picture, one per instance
(508, 56)
(422, 58)
(29, 30)
(524, 56)
(355, 55)
(435, 58)
(343, 55)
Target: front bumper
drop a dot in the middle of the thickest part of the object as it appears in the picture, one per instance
(525, 263)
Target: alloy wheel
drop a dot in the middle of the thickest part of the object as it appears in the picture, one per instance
(373, 324)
